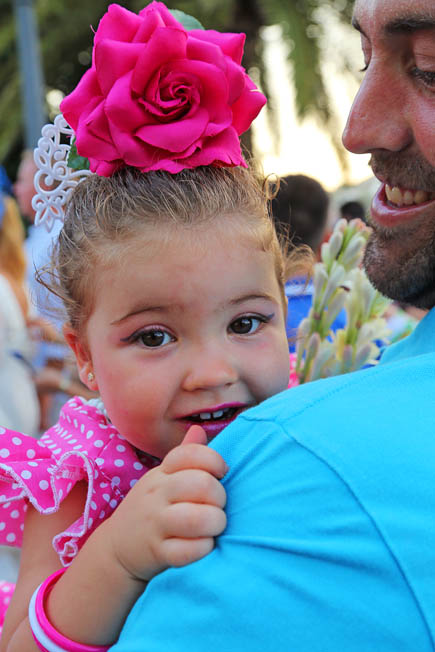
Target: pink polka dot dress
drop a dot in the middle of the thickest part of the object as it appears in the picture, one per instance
(83, 445)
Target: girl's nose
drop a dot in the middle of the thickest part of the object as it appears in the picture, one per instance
(378, 119)
(210, 371)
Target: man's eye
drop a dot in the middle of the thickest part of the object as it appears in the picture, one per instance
(246, 325)
(154, 338)
(426, 76)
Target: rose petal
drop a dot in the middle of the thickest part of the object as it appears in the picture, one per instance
(117, 23)
(224, 149)
(165, 45)
(213, 86)
(104, 169)
(231, 44)
(247, 107)
(92, 136)
(175, 137)
(113, 60)
(135, 152)
(171, 96)
(122, 110)
(86, 92)
(200, 50)
(156, 13)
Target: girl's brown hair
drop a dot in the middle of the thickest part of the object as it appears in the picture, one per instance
(104, 212)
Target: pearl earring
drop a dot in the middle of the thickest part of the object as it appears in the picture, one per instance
(91, 377)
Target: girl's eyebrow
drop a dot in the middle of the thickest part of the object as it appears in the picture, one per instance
(139, 310)
(251, 297)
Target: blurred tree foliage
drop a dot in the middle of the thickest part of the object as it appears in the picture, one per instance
(66, 42)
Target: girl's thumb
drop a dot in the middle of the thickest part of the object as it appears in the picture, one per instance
(195, 435)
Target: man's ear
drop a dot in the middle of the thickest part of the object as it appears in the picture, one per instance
(82, 356)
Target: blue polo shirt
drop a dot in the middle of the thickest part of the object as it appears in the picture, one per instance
(330, 543)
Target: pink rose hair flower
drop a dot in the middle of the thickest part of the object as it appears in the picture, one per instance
(159, 97)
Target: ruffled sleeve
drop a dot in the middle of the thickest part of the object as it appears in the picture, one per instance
(83, 445)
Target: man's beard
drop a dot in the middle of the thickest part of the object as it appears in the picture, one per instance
(400, 261)
(405, 278)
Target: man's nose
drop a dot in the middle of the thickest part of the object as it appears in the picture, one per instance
(378, 117)
(210, 369)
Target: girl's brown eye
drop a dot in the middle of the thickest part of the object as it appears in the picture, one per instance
(242, 325)
(246, 325)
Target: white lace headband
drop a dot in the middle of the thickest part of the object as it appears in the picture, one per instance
(54, 180)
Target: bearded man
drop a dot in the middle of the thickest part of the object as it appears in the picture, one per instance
(330, 543)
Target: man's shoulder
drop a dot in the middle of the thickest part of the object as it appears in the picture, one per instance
(375, 388)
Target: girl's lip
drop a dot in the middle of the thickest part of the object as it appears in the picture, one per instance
(387, 215)
(211, 428)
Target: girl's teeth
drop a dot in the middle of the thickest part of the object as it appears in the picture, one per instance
(205, 415)
(217, 414)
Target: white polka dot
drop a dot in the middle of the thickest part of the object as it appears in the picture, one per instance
(89, 434)
(17, 441)
(102, 514)
(103, 485)
(69, 486)
(2, 431)
(15, 513)
(31, 453)
(22, 527)
(10, 537)
(6, 505)
(113, 503)
(106, 497)
(5, 589)
(57, 451)
(120, 448)
(98, 443)
(26, 474)
(2, 526)
(32, 464)
(133, 482)
(138, 466)
(119, 462)
(93, 505)
(43, 484)
(116, 481)
(90, 521)
(99, 461)
(60, 494)
(78, 447)
(4, 452)
(73, 441)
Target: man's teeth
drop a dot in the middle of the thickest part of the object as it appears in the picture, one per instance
(401, 197)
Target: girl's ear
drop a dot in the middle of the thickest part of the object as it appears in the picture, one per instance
(83, 357)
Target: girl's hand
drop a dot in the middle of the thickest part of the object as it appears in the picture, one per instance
(171, 516)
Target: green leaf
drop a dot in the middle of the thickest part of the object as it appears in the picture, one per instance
(188, 22)
(75, 161)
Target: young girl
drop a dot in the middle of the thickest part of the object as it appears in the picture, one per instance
(173, 282)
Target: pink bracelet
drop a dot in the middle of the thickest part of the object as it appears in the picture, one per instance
(47, 638)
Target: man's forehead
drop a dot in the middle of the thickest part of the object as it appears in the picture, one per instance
(373, 16)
